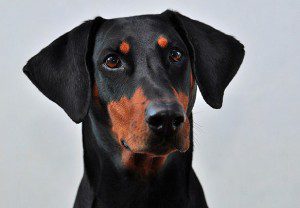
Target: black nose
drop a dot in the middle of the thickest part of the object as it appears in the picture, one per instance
(164, 119)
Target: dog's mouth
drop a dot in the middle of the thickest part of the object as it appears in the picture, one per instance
(146, 153)
(158, 146)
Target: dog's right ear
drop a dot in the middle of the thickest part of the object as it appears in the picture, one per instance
(215, 56)
(60, 70)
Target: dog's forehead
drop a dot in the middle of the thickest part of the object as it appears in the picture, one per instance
(137, 29)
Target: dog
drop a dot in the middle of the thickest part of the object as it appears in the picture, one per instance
(132, 84)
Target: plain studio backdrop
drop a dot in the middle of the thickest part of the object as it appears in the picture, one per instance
(246, 154)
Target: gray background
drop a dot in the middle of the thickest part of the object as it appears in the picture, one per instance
(247, 153)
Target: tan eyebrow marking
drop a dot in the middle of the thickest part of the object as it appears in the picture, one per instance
(162, 41)
(124, 47)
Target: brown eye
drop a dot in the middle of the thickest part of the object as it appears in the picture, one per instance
(175, 55)
(112, 61)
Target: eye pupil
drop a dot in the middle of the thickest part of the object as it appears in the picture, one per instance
(175, 55)
(112, 61)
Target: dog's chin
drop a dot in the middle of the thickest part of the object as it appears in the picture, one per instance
(159, 151)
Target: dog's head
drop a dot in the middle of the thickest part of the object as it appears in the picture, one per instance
(142, 71)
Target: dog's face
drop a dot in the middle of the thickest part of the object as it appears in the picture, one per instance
(141, 72)
(143, 76)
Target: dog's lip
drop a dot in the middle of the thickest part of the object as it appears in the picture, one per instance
(162, 146)
(157, 151)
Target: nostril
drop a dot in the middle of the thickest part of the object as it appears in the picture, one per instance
(156, 121)
(177, 121)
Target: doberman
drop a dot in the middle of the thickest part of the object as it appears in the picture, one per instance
(132, 83)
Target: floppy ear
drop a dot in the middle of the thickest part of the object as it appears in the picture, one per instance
(60, 70)
(215, 56)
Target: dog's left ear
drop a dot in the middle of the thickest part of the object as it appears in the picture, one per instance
(61, 73)
(215, 56)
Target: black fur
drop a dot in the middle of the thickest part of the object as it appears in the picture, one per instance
(65, 72)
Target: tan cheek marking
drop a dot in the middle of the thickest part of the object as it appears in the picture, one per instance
(192, 83)
(117, 111)
(182, 98)
(185, 132)
(192, 80)
(127, 114)
(124, 47)
(95, 90)
(162, 41)
(95, 95)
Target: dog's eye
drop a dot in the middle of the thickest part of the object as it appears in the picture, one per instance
(112, 61)
(175, 55)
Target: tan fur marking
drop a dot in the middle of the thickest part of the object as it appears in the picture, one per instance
(95, 90)
(128, 119)
(124, 47)
(143, 164)
(95, 95)
(192, 80)
(162, 41)
(183, 100)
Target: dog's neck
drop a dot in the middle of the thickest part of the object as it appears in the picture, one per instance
(112, 185)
